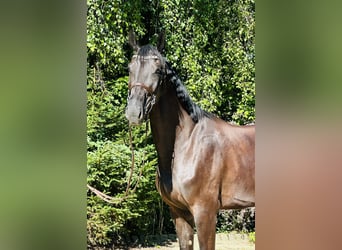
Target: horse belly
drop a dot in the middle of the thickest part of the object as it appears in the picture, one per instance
(237, 202)
(238, 181)
(238, 189)
(237, 196)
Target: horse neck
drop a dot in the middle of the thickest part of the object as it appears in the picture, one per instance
(166, 118)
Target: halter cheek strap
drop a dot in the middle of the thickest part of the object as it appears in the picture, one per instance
(150, 101)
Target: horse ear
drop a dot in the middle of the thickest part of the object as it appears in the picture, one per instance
(133, 41)
(161, 42)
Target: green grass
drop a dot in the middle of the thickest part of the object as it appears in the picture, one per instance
(251, 237)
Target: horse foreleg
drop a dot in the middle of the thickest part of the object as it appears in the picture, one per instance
(184, 228)
(205, 221)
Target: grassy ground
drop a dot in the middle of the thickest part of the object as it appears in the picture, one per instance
(224, 241)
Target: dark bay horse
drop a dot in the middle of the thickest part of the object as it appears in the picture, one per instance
(204, 163)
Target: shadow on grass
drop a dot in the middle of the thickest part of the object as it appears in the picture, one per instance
(153, 240)
(163, 240)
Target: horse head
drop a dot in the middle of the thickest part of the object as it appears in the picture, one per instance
(146, 74)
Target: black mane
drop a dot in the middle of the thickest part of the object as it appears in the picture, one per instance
(195, 112)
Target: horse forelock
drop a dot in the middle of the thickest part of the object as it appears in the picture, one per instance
(149, 50)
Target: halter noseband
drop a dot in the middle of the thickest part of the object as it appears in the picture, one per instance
(148, 89)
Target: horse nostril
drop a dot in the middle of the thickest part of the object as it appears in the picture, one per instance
(140, 115)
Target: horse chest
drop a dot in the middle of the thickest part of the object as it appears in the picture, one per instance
(172, 191)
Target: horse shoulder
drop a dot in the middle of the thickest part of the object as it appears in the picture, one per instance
(196, 165)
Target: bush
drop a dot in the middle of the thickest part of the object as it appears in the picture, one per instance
(236, 220)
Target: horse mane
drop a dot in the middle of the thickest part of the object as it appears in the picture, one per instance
(195, 112)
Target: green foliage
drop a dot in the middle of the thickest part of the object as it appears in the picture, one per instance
(211, 46)
(109, 165)
(238, 220)
(251, 237)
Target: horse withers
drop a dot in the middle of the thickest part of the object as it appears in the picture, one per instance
(204, 163)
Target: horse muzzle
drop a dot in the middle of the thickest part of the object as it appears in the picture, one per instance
(138, 110)
(140, 101)
(134, 114)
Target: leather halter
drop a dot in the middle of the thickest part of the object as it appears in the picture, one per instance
(151, 99)
(145, 57)
(148, 89)
(140, 84)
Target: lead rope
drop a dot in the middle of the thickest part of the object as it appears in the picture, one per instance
(143, 161)
(132, 158)
(111, 199)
